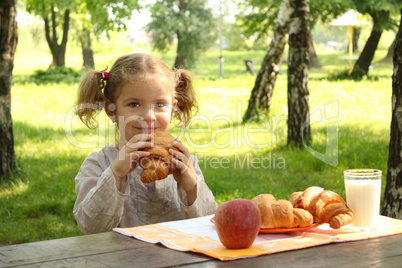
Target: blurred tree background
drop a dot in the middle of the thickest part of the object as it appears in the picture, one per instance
(191, 27)
(190, 24)
(89, 18)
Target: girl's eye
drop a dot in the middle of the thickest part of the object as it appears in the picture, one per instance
(134, 104)
(160, 105)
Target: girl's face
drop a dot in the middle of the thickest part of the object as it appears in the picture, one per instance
(143, 107)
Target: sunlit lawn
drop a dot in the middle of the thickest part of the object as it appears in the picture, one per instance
(238, 160)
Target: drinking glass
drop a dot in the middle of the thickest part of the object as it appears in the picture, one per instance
(363, 195)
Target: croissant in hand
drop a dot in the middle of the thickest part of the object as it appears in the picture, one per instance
(280, 213)
(158, 165)
(325, 206)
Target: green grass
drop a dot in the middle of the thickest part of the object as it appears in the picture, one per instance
(363, 138)
(36, 202)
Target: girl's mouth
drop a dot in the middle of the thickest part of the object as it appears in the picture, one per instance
(147, 130)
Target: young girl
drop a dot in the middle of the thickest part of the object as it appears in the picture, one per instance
(140, 94)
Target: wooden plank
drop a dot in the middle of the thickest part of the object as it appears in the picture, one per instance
(66, 248)
(100, 250)
(116, 250)
(156, 256)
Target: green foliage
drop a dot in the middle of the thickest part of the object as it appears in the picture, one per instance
(102, 15)
(325, 11)
(384, 12)
(56, 75)
(193, 27)
(357, 75)
(97, 17)
(238, 40)
(257, 17)
(106, 15)
(45, 8)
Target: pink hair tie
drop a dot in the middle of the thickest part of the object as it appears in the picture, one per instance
(105, 75)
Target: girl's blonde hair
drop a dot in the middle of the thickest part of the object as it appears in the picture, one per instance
(134, 67)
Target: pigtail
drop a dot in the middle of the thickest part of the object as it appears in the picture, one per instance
(90, 100)
(185, 96)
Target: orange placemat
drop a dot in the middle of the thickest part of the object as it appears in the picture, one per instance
(199, 235)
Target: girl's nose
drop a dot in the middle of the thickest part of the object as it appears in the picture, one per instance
(149, 114)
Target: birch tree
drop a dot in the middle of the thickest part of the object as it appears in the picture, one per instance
(258, 22)
(392, 205)
(298, 92)
(260, 98)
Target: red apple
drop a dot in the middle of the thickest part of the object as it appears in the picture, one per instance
(237, 223)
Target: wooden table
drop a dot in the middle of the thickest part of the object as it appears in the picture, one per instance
(115, 250)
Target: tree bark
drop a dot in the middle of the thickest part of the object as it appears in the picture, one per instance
(87, 52)
(260, 98)
(355, 39)
(298, 63)
(392, 205)
(58, 50)
(362, 64)
(390, 53)
(181, 59)
(313, 55)
(8, 44)
(88, 58)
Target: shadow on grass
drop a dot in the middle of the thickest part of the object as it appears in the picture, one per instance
(37, 202)
(37, 199)
(24, 132)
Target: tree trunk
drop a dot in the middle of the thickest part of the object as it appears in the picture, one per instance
(87, 52)
(58, 50)
(313, 55)
(8, 44)
(390, 53)
(260, 98)
(88, 58)
(298, 93)
(181, 59)
(355, 39)
(392, 205)
(362, 64)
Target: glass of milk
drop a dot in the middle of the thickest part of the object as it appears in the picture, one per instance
(363, 195)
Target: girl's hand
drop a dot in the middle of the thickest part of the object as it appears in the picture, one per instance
(127, 159)
(185, 173)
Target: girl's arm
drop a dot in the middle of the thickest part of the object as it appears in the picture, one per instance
(126, 160)
(99, 204)
(205, 203)
(185, 174)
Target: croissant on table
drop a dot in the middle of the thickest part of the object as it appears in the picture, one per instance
(280, 213)
(158, 165)
(325, 206)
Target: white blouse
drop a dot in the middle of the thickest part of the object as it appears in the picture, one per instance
(100, 207)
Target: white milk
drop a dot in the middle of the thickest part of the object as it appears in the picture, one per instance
(363, 198)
